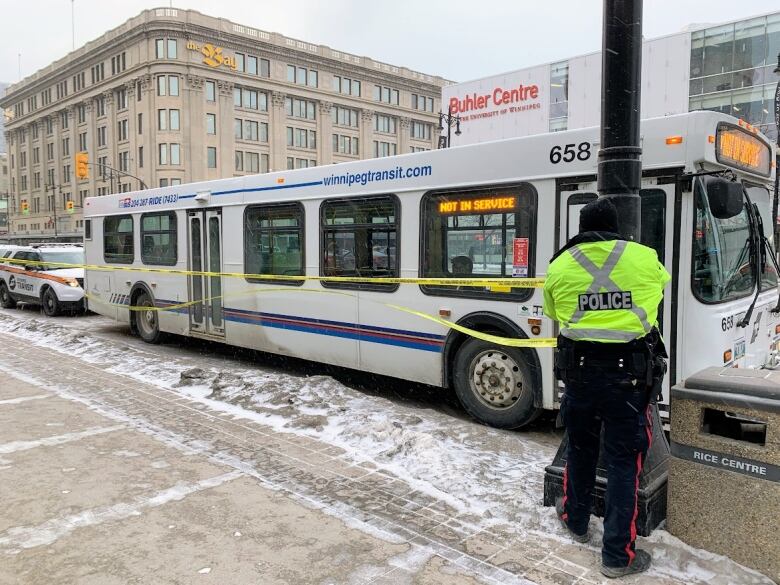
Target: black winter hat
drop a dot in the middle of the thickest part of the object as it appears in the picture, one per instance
(599, 216)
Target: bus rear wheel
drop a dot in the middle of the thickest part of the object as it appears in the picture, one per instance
(146, 319)
(494, 384)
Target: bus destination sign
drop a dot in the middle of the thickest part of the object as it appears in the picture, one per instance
(479, 205)
(738, 148)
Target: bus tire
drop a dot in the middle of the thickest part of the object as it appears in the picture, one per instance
(146, 322)
(6, 300)
(50, 303)
(494, 384)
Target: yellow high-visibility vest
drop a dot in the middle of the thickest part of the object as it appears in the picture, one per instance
(606, 291)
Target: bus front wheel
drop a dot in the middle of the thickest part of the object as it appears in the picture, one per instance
(494, 384)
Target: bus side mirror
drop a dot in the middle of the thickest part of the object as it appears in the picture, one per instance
(726, 198)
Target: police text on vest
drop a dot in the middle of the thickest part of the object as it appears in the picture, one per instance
(605, 301)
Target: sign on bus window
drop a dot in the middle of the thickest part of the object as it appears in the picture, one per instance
(485, 232)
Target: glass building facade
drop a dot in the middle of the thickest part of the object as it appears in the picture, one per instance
(732, 70)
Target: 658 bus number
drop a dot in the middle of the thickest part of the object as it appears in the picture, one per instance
(569, 152)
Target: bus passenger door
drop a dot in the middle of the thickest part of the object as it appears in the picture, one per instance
(205, 255)
(658, 197)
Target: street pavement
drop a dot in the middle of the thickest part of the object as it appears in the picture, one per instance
(110, 480)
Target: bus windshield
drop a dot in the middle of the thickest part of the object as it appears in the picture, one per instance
(75, 257)
(722, 269)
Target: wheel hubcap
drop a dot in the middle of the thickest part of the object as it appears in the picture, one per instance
(496, 379)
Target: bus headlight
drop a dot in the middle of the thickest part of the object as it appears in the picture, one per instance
(73, 283)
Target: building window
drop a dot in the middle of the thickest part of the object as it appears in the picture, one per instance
(168, 120)
(344, 116)
(175, 154)
(65, 175)
(211, 91)
(211, 124)
(82, 142)
(300, 163)
(168, 85)
(172, 49)
(345, 144)
(122, 132)
(103, 166)
(65, 151)
(49, 126)
(100, 107)
(121, 99)
(63, 123)
(302, 76)
(101, 136)
(118, 239)
(360, 237)
(250, 99)
(420, 130)
(118, 63)
(253, 162)
(140, 123)
(384, 149)
(422, 103)
(98, 73)
(124, 161)
(240, 62)
(301, 138)
(160, 48)
(559, 95)
(387, 95)
(211, 157)
(158, 238)
(140, 157)
(298, 108)
(163, 153)
(50, 151)
(37, 153)
(81, 112)
(346, 86)
(273, 236)
(386, 124)
(239, 160)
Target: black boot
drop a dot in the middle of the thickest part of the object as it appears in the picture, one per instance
(640, 564)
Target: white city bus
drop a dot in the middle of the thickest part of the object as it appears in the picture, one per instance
(498, 209)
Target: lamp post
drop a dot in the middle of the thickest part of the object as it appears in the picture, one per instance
(54, 188)
(451, 121)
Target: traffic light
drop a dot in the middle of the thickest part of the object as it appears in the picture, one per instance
(69, 206)
(82, 158)
(25, 208)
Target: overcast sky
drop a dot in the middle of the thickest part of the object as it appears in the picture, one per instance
(458, 40)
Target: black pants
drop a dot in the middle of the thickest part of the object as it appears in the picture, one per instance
(594, 397)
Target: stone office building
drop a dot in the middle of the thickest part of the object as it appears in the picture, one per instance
(173, 96)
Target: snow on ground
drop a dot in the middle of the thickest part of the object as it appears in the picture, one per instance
(493, 476)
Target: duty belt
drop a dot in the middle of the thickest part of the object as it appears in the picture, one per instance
(601, 279)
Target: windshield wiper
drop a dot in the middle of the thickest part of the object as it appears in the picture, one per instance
(757, 235)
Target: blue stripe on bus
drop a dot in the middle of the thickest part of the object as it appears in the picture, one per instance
(257, 189)
(374, 334)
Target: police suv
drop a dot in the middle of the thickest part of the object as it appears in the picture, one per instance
(25, 277)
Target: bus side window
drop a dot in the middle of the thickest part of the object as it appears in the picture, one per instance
(653, 234)
(479, 232)
(360, 238)
(273, 242)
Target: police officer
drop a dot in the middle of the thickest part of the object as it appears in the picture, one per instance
(604, 291)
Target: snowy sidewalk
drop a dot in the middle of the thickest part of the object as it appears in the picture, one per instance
(109, 479)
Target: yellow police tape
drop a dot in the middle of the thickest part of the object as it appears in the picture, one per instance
(494, 284)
